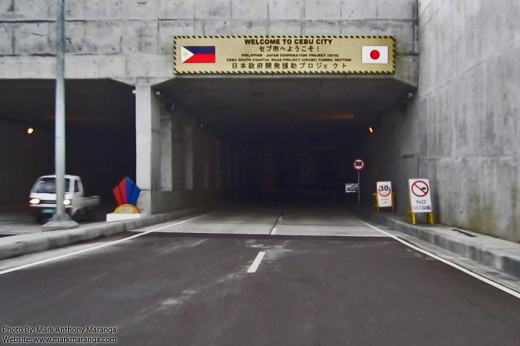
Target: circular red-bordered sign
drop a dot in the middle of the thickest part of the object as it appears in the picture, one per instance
(420, 188)
(359, 164)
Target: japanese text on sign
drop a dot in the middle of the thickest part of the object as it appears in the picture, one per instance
(284, 54)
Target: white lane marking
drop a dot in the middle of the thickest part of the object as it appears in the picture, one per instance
(445, 261)
(274, 231)
(256, 262)
(33, 264)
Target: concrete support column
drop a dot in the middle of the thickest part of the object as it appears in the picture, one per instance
(212, 143)
(224, 169)
(218, 165)
(205, 160)
(188, 157)
(148, 145)
(178, 156)
(166, 153)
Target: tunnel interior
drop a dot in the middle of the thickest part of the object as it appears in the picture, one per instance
(302, 133)
(100, 135)
(311, 129)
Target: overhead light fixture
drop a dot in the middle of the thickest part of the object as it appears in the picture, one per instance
(330, 117)
(340, 117)
(30, 131)
(370, 129)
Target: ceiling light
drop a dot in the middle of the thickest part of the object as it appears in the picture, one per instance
(30, 131)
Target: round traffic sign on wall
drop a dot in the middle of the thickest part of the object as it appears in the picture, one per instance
(359, 164)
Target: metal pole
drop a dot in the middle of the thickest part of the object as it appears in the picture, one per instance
(359, 187)
(60, 219)
(60, 113)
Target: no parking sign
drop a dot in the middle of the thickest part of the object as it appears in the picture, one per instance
(420, 197)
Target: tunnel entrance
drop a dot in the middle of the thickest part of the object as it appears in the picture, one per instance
(298, 136)
(100, 125)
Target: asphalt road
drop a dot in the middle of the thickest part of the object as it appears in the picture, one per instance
(347, 284)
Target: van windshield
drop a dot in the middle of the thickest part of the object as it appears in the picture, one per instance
(47, 185)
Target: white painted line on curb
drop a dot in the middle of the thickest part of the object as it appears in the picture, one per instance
(445, 261)
(273, 232)
(256, 262)
(97, 247)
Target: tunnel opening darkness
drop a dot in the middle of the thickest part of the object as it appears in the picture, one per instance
(298, 136)
(100, 135)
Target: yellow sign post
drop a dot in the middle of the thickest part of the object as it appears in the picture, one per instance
(284, 54)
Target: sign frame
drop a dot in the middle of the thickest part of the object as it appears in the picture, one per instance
(419, 191)
(384, 194)
(242, 54)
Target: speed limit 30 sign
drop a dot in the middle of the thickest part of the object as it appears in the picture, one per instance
(384, 193)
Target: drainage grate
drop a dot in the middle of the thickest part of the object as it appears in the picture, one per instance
(465, 233)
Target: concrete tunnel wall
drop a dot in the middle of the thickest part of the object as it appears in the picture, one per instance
(131, 41)
(178, 164)
(462, 129)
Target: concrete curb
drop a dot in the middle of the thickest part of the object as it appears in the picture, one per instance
(495, 253)
(24, 244)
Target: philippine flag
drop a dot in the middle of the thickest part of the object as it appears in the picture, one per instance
(197, 54)
(374, 54)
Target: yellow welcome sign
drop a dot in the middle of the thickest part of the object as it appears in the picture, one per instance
(284, 54)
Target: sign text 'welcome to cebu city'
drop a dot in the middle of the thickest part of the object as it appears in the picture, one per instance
(284, 54)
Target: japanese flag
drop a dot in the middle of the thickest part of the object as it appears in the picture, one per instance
(374, 54)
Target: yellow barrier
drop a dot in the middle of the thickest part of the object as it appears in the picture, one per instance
(376, 204)
(412, 217)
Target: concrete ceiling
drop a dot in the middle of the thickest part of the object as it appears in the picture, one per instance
(321, 112)
(100, 103)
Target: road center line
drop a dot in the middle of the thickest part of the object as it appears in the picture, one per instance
(256, 262)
